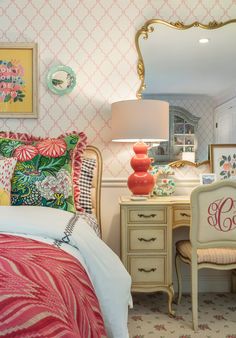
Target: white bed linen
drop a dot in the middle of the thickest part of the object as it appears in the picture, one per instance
(110, 279)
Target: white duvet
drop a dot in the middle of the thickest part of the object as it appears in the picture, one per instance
(111, 281)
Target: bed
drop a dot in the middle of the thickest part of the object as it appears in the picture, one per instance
(57, 277)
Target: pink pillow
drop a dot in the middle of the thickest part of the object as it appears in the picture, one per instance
(7, 166)
(76, 155)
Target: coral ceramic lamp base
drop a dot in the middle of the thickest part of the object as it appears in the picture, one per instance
(140, 182)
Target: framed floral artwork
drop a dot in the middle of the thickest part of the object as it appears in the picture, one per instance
(18, 80)
(223, 160)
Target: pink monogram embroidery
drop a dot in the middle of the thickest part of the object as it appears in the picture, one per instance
(222, 214)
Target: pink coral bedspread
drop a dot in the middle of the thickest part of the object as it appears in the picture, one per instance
(45, 292)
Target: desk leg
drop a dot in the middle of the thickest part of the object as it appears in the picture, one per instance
(233, 281)
(170, 292)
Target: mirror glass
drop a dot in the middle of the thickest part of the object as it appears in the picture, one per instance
(182, 138)
(175, 61)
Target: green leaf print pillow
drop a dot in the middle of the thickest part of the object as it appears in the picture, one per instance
(47, 171)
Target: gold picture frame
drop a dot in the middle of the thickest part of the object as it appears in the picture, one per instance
(18, 80)
(223, 160)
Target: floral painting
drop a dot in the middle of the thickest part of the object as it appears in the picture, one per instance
(11, 81)
(18, 80)
(223, 160)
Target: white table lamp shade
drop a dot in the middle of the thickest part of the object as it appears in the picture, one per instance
(146, 120)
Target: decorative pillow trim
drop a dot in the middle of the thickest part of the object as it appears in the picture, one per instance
(76, 167)
(19, 136)
(85, 184)
(30, 138)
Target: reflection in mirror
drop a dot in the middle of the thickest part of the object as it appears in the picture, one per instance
(182, 140)
(174, 66)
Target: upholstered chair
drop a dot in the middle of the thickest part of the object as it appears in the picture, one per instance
(212, 241)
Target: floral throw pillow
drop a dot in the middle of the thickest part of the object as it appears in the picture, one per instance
(47, 170)
(7, 166)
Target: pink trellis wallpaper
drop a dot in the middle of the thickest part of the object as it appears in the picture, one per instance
(96, 39)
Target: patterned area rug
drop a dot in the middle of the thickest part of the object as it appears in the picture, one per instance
(149, 318)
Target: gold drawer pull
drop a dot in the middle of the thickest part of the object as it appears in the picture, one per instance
(184, 214)
(145, 270)
(147, 216)
(147, 240)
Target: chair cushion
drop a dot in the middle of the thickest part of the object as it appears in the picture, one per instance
(213, 255)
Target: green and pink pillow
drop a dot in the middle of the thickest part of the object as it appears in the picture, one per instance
(47, 170)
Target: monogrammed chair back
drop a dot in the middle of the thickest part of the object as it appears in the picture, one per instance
(213, 210)
(212, 235)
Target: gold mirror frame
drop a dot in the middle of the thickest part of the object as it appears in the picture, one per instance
(182, 163)
(148, 28)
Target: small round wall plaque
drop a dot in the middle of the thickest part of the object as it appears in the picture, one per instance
(61, 80)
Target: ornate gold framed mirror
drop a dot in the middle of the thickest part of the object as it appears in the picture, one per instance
(177, 45)
(174, 61)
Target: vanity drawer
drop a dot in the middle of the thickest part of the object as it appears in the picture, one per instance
(181, 215)
(147, 215)
(147, 270)
(147, 239)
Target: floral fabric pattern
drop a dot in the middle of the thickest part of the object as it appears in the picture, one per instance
(43, 174)
(52, 148)
(12, 85)
(227, 165)
(55, 188)
(7, 166)
(25, 153)
(164, 186)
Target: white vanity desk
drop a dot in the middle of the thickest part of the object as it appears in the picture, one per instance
(146, 240)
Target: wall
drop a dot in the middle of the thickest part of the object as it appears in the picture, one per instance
(96, 39)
